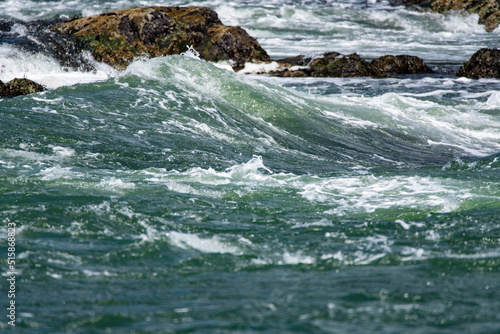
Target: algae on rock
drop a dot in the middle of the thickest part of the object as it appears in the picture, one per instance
(118, 37)
(18, 87)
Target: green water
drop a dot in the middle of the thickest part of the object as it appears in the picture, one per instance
(154, 202)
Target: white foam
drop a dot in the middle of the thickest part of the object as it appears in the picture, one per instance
(191, 53)
(45, 70)
(211, 131)
(455, 126)
(412, 254)
(62, 152)
(366, 194)
(353, 194)
(54, 275)
(455, 22)
(24, 155)
(296, 258)
(357, 258)
(58, 172)
(19, 30)
(484, 255)
(115, 184)
(254, 68)
(93, 273)
(493, 101)
(194, 180)
(204, 245)
(320, 223)
(249, 169)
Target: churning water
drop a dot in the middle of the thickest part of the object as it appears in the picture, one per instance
(179, 197)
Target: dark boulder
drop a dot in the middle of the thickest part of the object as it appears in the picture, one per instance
(401, 64)
(232, 43)
(118, 37)
(334, 64)
(330, 64)
(18, 87)
(485, 63)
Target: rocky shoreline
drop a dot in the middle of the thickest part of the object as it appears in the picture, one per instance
(118, 37)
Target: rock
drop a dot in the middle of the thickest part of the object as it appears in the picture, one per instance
(330, 64)
(488, 10)
(118, 37)
(334, 64)
(401, 64)
(485, 63)
(232, 43)
(18, 87)
(37, 38)
(300, 60)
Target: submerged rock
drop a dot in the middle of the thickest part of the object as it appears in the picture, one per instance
(118, 37)
(485, 63)
(488, 10)
(18, 87)
(334, 64)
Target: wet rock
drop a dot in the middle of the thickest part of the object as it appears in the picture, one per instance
(488, 10)
(232, 43)
(120, 36)
(401, 64)
(485, 63)
(334, 64)
(18, 87)
(330, 64)
(299, 60)
(35, 37)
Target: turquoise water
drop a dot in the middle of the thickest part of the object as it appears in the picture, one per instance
(179, 197)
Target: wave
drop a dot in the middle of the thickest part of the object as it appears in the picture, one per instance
(391, 125)
(191, 107)
(45, 70)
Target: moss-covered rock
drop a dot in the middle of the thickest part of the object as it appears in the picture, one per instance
(485, 63)
(330, 64)
(401, 64)
(118, 37)
(334, 64)
(18, 87)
